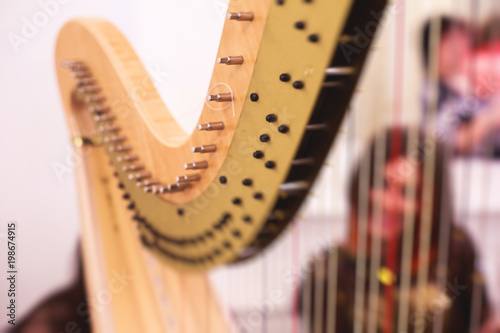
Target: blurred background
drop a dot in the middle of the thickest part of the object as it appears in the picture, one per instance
(178, 41)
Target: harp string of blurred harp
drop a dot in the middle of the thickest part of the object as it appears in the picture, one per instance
(411, 248)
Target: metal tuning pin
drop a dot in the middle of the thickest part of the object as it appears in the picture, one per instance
(332, 84)
(119, 149)
(139, 176)
(95, 99)
(317, 127)
(71, 63)
(148, 189)
(303, 161)
(196, 165)
(127, 158)
(220, 98)
(177, 187)
(155, 189)
(344, 39)
(132, 167)
(332, 71)
(294, 187)
(204, 149)
(104, 118)
(217, 126)
(89, 89)
(114, 138)
(188, 178)
(237, 60)
(85, 82)
(99, 109)
(240, 16)
(82, 74)
(108, 128)
(147, 182)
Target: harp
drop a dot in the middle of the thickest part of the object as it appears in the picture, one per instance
(160, 207)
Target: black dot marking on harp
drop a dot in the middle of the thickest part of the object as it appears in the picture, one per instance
(265, 138)
(247, 219)
(254, 97)
(247, 182)
(270, 164)
(209, 234)
(223, 180)
(280, 2)
(180, 211)
(236, 201)
(285, 77)
(314, 38)
(271, 118)
(217, 252)
(258, 195)
(301, 25)
(236, 233)
(115, 174)
(258, 154)
(120, 185)
(227, 245)
(126, 196)
(131, 206)
(283, 129)
(298, 84)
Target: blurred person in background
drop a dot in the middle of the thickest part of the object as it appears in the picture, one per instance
(468, 87)
(388, 212)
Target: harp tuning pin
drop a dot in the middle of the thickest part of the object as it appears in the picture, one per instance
(114, 138)
(294, 187)
(127, 158)
(147, 182)
(317, 127)
(108, 128)
(104, 118)
(240, 16)
(204, 149)
(85, 82)
(188, 178)
(99, 109)
(82, 74)
(119, 149)
(303, 161)
(89, 89)
(95, 99)
(139, 176)
(177, 187)
(132, 167)
(196, 165)
(216, 126)
(227, 97)
(337, 71)
(236, 60)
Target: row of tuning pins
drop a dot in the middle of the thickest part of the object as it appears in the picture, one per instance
(185, 181)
